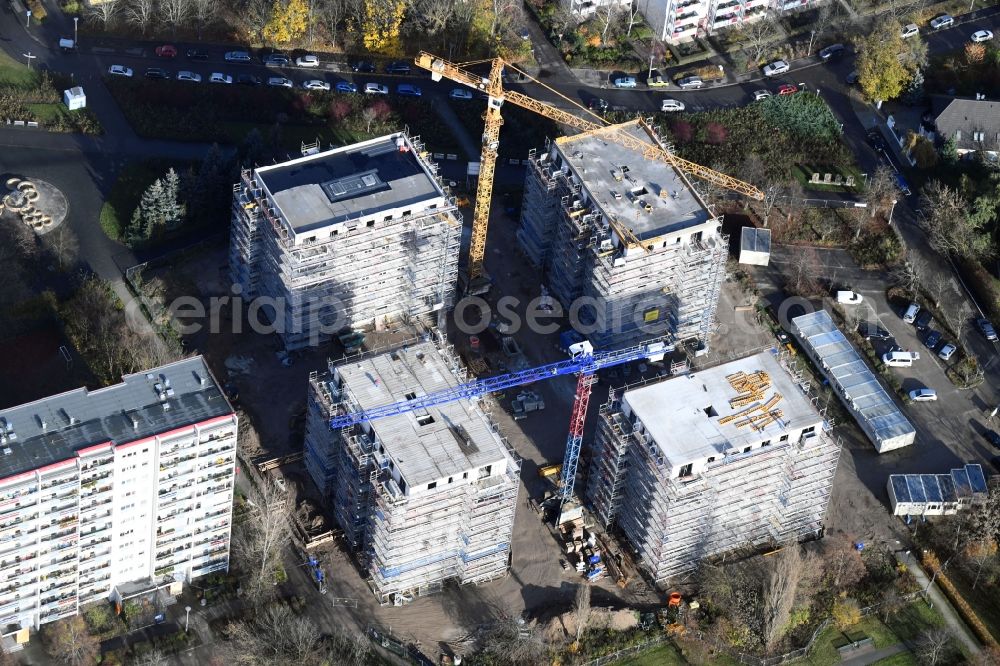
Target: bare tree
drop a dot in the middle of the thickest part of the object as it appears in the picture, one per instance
(947, 224)
(882, 190)
(508, 640)
(891, 602)
(69, 642)
(276, 635)
(203, 11)
(505, 14)
(260, 535)
(152, 658)
(370, 114)
(844, 566)
(759, 36)
(105, 12)
(141, 13)
(806, 268)
(255, 15)
(779, 598)
(909, 275)
(934, 646)
(609, 14)
(980, 555)
(62, 242)
(581, 608)
(432, 16)
(175, 13)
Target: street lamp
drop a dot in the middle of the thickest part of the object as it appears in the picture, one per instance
(27, 21)
(76, 19)
(812, 33)
(187, 614)
(891, 210)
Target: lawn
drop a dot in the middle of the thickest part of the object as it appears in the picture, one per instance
(664, 654)
(15, 74)
(900, 659)
(803, 173)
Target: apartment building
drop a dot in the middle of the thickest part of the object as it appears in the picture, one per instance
(102, 488)
(677, 21)
(626, 243)
(355, 236)
(724, 458)
(422, 496)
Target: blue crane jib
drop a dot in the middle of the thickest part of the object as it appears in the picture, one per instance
(583, 360)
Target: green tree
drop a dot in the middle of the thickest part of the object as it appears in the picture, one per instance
(881, 74)
(159, 208)
(846, 613)
(380, 24)
(289, 21)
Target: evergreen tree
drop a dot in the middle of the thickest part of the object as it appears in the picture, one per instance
(172, 210)
(914, 93)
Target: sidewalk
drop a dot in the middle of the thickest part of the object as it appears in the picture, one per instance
(870, 656)
(939, 601)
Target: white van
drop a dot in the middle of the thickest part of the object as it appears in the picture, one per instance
(900, 359)
(911, 313)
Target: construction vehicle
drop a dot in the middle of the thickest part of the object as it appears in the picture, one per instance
(476, 279)
(549, 470)
(584, 362)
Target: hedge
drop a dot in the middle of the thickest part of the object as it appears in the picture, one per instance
(969, 615)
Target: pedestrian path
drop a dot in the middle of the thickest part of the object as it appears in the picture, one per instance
(871, 655)
(941, 603)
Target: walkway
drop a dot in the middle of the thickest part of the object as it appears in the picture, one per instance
(870, 656)
(940, 601)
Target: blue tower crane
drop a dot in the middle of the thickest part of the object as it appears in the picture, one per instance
(583, 361)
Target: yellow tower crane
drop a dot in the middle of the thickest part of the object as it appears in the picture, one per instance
(477, 281)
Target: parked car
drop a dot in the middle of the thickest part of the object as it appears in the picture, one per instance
(237, 56)
(852, 78)
(981, 36)
(932, 339)
(346, 87)
(902, 184)
(219, 77)
(656, 80)
(408, 90)
(986, 328)
(460, 93)
(788, 89)
(157, 73)
(315, 84)
(624, 82)
(376, 89)
(248, 80)
(67, 45)
(307, 60)
(849, 297)
(947, 351)
(942, 21)
(279, 82)
(911, 313)
(691, 83)
(992, 437)
(775, 68)
(276, 60)
(909, 30)
(873, 332)
(398, 67)
(363, 66)
(166, 51)
(761, 95)
(668, 105)
(191, 77)
(923, 395)
(876, 139)
(120, 70)
(195, 54)
(832, 51)
(900, 359)
(923, 320)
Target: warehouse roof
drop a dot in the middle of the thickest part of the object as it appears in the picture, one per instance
(52, 429)
(351, 182)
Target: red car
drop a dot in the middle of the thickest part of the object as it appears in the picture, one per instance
(787, 89)
(166, 51)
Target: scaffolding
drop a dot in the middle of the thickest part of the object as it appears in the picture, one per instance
(358, 272)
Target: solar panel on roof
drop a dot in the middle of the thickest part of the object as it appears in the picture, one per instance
(963, 487)
(916, 488)
(947, 486)
(931, 489)
(976, 478)
(899, 488)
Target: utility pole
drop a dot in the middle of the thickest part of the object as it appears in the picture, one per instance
(27, 21)
(812, 33)
(29, 57)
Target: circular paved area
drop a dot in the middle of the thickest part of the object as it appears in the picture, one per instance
(36, 203)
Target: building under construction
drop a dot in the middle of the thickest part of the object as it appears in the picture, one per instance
(709, 462)
(423, 496)
(350, 237)
(631, 235)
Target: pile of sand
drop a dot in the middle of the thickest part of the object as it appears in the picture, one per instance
(564, 626)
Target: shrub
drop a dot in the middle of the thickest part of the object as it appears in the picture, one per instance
(845, 613)
(37, 10)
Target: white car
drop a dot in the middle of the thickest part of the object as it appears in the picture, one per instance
(981, 36)
(942, 21)
(120, 70)
(776, 67)
(947, 351)
(671, 105)
(761, 95)
(923, 395)
(376, 89)
(219, 77)
(307, 61)
(279, 82)
(316, 84)
(185, 75)
(849, 297)
(460, 93)
(909, 30)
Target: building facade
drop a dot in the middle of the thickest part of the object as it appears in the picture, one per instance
(101, 488)
(627, 245)
(698, 465)
(351, 237)
(424, 496)
(677, 21)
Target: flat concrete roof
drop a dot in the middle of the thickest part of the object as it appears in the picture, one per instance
(52, 429)
(454, 438)
(623, 184)
(682, 414)
(350, 182)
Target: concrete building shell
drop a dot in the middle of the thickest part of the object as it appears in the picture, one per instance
(682, 485)
(354, 236)
(422, 497)
(626, 244)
